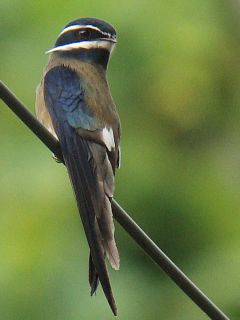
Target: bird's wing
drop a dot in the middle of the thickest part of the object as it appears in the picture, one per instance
(87, 159)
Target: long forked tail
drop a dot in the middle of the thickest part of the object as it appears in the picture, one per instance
(81, 168)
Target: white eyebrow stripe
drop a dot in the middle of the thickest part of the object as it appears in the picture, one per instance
(82, 26)
(97, 44)
(70, 28)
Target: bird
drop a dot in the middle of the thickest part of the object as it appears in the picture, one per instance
(73, 101)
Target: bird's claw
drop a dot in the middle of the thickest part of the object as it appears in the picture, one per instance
(56, 158)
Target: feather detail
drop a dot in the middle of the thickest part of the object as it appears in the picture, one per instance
(80, 165)
(105, 180)
(93, 276)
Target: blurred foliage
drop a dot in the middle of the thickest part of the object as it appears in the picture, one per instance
(175, 77)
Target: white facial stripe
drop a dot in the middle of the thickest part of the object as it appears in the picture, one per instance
(108, 138)
(97, 44)
(81, 26)
(70, 28)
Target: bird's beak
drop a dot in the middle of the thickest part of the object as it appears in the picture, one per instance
(108, 39)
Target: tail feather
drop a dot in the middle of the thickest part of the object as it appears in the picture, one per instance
(80, 164)
(93, 276)
(107, 230)
(105, 180)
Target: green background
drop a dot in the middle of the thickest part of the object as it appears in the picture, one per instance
(175, 77)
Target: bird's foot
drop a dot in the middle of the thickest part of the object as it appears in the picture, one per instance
(56, 158)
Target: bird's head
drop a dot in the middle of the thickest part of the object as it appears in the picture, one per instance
(88, 39)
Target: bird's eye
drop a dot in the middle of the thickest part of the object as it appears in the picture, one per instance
(84, 34)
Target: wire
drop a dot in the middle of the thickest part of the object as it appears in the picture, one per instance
(130, 226)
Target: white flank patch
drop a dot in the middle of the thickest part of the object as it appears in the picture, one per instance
(95, 44)
(108, 138)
